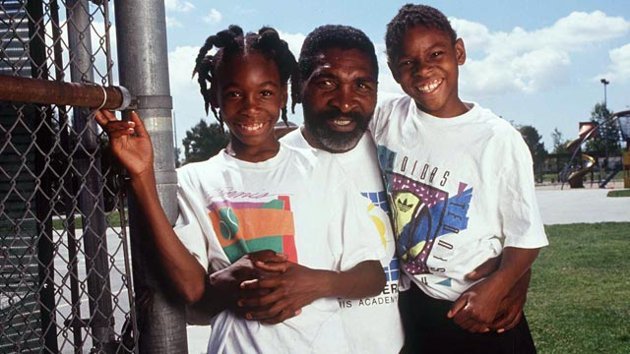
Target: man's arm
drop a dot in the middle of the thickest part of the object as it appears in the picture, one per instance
(511, 308)
(477, 308)
(300, 286)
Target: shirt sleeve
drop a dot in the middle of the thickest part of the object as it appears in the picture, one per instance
(518, 208)
(376, 123)
(189, 230)
(361, 240)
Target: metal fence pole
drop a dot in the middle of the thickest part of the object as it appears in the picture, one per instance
(143, 68)
(45, 242)
(88, 165)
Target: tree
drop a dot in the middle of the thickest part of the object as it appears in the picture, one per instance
(536, 146)
(559, 143)
(606, 141)
(204, 141)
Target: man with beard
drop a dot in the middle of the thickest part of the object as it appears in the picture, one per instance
(337, 88)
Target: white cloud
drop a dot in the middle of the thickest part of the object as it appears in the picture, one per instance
(181, 62)
(213, 17)
(178, 5)
(527, 72)
(477, 36)
(173, 22)
(387, 86)
(187, 101)
(294, 40)
(619, 68)
(530, 61)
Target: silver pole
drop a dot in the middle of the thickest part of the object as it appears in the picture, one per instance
(143, 69)
(91, 202)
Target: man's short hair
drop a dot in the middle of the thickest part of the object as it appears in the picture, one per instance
(333, 36)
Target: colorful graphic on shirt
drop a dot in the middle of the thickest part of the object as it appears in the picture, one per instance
(379, 199)
(244, 227)
(378, 211)
(421, 212)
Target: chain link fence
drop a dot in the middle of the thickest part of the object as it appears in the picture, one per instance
(65, 278)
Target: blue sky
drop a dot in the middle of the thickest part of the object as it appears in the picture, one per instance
(532, 62)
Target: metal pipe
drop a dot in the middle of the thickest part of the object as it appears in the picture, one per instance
(143, 69)
(26, 90)
(91, 181)
(68, 185)
(45, 249)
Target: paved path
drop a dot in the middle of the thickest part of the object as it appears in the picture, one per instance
(571, 206)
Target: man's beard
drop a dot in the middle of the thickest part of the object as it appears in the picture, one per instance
(329, 139)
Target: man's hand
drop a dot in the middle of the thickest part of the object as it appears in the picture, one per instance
(223, 288)
(511, 309)
(286, 293)
(477, 307)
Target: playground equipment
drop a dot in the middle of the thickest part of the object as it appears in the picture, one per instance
(574, 174)
(588, 130)
(624, 127)
(576, 178)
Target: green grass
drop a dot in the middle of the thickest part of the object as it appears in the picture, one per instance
(579, 298)
(619, 193)
(113, 220)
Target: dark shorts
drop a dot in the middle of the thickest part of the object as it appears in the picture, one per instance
(428, 330)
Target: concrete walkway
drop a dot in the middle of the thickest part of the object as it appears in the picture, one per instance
(571, 206)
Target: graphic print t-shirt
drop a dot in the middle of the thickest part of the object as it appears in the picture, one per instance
(373, 324)
(460, 189)
(230, 207)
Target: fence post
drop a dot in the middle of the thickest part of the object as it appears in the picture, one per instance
(143, 69)
(45, 253)
(88, 166)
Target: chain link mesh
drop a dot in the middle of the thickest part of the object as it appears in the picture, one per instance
(65, 283)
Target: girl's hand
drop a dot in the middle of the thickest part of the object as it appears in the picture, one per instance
(129, 142)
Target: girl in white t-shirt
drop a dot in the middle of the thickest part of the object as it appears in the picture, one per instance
(255, 195)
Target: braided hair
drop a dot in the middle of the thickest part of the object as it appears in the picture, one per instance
(232, 42)
(414, 15)
(326, 37)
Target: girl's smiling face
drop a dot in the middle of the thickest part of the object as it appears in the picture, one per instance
(250, 96)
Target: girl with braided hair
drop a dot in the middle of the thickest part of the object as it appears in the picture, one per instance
(262, 232)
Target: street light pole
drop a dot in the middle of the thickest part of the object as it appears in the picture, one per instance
(605, 82)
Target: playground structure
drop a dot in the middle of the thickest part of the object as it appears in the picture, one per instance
(624, 127)
(574, 173)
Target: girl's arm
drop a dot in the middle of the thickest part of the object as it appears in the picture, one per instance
(131, 144)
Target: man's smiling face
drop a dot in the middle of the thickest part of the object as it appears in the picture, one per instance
(339, 98)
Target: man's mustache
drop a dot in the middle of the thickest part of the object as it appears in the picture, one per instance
(335, 113)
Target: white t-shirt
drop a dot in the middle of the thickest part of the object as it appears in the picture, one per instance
(461, 189)
(373, 324)
(291, 203)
